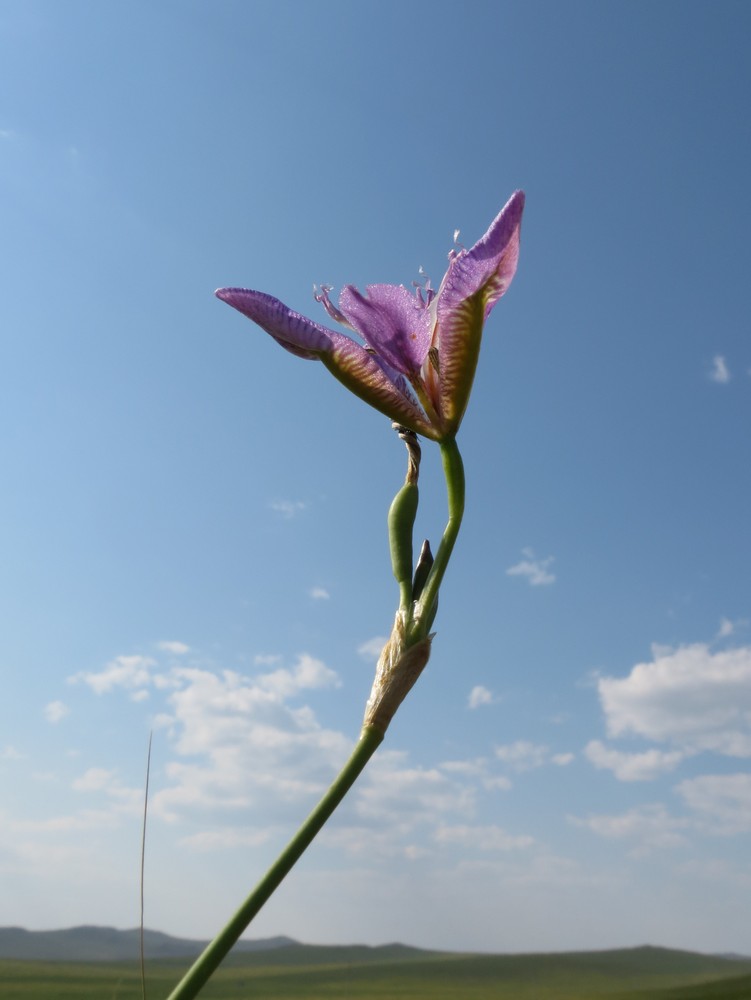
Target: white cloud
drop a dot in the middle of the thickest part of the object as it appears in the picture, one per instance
(729, 627)
(375, 842)
(648, 826)
(396, 794)
(96, 779)
(497, 783)
(84, 820)
(482, 838)
(100, 779)
(319, 593)
(123, 672)
(238, 742)
(716, 872)
(224, 839)
(562, 759)
(54, 711)
(371, 648)
(247, 749)
(309, 673)
(719, 371)
(542, 870)
(723, 801)
(288, 508)
(632, 766)
(177, 648)
(480, 695)
(478, 770)
(467, 768)
(535, 570)
(689, 696)
(11, 753)
(522, 755)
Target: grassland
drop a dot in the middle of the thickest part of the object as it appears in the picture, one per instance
(316, 973)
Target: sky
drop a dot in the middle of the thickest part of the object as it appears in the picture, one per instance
(192, 521)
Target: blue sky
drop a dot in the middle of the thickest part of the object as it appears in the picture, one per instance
(193, 521)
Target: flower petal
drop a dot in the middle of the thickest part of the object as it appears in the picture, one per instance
(391, 320)
(491, 263)
(351, 363)
(363, 374)
(459, 337)
(298, 334)
(474, 282)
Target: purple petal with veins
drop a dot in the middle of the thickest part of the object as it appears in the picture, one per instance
(361, 371)
(474, 282)
(489, 265)
(391, 320)
(400, 328)
(292, 330)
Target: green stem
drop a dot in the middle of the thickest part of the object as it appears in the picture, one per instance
(453, 470)
(207, 963)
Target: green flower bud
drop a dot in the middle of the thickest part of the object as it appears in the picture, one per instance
(401, 520)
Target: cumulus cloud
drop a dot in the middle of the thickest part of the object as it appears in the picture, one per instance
(319, 593)
(176, 648)
(96, 779)
(242, 742)
(288, 508)
(54, 711)
(371, 648)
(224, 839)
(522, 755)
(535, 570)
(395, 793)
(482, 838)
(100, 779)
(127, 672)
(373, 842)
(647, 826)
(497, 783)
(480, 695)
(478, 770)
(719, 371)
(242, 755)
(307, 674)
(722, 801)
(245, 744)
(729, 627)
(267, 659)
(84, 820)
(692, 697)
(632, 766)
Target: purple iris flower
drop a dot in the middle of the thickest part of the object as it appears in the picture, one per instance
(420, 349)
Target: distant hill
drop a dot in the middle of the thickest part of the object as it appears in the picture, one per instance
(92, 962)
(646, 964)
(107, 944)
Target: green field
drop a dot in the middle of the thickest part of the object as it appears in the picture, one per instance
(319, 973)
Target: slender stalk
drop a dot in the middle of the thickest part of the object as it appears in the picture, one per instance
(207, 963)
(453, 470)
(143, 865)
